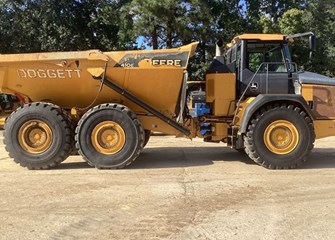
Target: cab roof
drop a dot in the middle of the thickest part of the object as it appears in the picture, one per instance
(258, 36)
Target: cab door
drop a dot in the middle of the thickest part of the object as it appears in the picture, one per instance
(264, 64)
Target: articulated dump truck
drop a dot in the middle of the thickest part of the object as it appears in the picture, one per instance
(106, 104)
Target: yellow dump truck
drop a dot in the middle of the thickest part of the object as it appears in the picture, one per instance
(105, 104)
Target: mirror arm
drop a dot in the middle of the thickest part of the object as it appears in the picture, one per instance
(299, 35)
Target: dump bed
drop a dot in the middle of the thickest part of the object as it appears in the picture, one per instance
(70, 79)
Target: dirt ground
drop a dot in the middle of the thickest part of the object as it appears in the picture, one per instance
(177, 189)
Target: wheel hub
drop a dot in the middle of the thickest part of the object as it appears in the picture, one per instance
(108, 137)
(281, 137)
(35, 136)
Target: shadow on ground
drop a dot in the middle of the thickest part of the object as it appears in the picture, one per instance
(320, 158)
(174, 157)
(71, 165)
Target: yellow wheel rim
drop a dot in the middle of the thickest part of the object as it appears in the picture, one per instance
(35, 136)
(281, 137)
(108, 137)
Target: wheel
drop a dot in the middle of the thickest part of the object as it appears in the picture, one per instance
(72, 126)
(241, 150)
(147, 134)
(38, 136)
(279, 137)
(109, 136)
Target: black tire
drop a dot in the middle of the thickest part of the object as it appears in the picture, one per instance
(38, 116)
(147, 134)
(241, 150)
(123, 152)
(279, 137)
(72, 127)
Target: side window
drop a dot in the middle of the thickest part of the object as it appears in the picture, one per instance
(229, 56)
(238, 56)
(238, 53)
(233, 54)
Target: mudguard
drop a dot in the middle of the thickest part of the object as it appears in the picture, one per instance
(262, 100)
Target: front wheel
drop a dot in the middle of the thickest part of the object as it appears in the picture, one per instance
(279, 137)
(109, 136)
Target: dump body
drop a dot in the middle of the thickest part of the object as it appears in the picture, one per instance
(68, 79)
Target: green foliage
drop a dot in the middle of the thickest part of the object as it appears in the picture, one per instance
(321, 20)
(293, 21)
(50, 25)
(267, 25)
(276, 8)
(162, 23)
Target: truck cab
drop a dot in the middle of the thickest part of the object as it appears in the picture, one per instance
(258, 102)
(266, 60)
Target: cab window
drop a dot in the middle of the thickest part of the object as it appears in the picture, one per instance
(234, 54)
(270, 54)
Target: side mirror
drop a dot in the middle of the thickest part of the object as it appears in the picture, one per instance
(312, 46)
(312, 43)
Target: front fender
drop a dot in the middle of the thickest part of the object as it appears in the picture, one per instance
(263, 100)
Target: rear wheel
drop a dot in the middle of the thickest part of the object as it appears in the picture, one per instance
(72, 126)
(38, 136)
(109, 136)
(241, 150)
(147, 134)
(279, 137)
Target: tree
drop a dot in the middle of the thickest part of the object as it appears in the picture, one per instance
(161, 23)
(47, 25)
(213, 20)
(321, 21)
(295, 21)
(276, 8)
(263, 16)
(322, 25)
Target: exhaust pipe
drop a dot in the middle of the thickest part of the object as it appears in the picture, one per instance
(219, 48)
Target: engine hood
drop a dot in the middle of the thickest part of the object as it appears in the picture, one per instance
(315, 78)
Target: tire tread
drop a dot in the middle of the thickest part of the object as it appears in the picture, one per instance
(249, 142)
(120, 108)
(65, 126)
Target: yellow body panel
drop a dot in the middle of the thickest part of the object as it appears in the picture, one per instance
(220, 131)
(156, 125)
(221, 92)
(240, 112)
(324, 128)
(307, 92)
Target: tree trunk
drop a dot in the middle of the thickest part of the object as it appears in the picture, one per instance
(155, 38)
